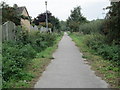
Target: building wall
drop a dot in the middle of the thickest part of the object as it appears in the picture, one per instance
(25, 23)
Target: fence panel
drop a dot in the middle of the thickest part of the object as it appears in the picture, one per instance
(8, 31)
(33, 28)
(11, 31)
(4, 36)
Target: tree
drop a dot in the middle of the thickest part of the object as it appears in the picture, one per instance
(10, 14)
(41, 18)
(55, 23)
(113, 22)
(75, 19)
(63, 25)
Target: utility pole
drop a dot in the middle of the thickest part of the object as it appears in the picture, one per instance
(46, 16)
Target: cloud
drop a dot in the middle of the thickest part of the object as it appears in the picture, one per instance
(61, 8)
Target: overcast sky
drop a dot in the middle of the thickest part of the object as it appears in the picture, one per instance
(91, 9)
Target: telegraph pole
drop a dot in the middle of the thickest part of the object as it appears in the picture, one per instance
(46, 16)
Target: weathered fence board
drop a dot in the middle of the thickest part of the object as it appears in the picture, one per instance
(8, 31)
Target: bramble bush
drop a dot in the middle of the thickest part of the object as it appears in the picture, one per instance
(40, 41)
(18, 54)
(94, 40)
(97, 43)
(15, 60)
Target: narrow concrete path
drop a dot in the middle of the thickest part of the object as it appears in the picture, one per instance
(68, 69)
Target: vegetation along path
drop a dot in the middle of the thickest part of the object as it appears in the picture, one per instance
(69, 70)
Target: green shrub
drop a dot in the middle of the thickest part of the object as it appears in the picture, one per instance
(40, 41)
(97, 43)
(18, 54)
(27, 51)
(15, 59)
(94, 41)
(109, 52)
(22, 36)
(94, 26)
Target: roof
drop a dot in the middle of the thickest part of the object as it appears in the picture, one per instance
(20, 10)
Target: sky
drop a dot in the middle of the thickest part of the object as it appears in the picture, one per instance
(91, 9)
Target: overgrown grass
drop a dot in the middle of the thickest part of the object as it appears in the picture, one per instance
(23, 60)
(35, 68)
(103, 67)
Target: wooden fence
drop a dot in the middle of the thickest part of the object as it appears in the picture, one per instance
(42, 29)
(34, 28)
(8, 31)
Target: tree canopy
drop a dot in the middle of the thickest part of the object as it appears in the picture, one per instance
(75, 19)
(63, 25)
(41, 18)
(11, 14)
(113, 22)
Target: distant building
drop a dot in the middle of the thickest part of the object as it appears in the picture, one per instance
(24, 22)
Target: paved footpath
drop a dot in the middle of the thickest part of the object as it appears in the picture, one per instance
(68, 69)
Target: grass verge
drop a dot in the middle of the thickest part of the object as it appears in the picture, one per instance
(41, 61)
(103, 68)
